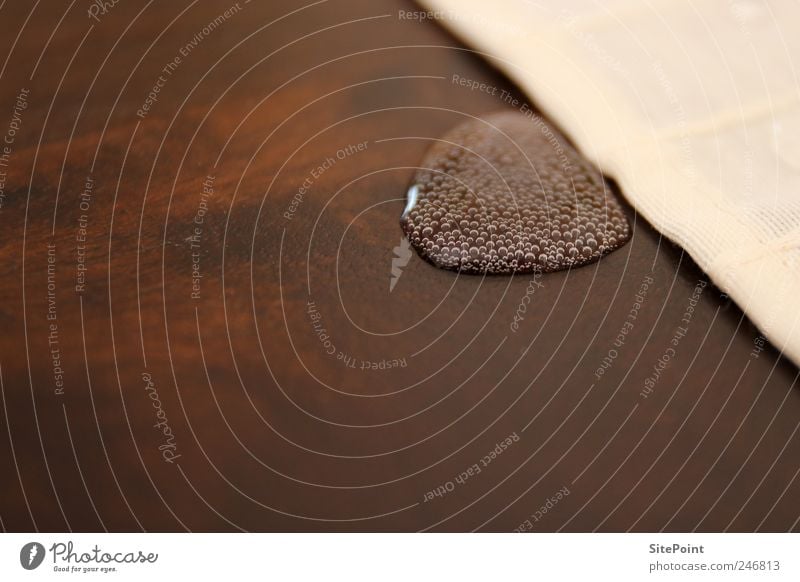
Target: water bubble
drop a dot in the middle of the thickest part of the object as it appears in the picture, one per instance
(512, 198)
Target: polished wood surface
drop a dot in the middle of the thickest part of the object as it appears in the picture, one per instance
(200, 208)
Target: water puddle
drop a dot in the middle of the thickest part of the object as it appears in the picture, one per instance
(504, 194)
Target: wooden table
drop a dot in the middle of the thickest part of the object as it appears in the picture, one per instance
(200, 206)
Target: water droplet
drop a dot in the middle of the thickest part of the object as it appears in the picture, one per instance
(510, 196)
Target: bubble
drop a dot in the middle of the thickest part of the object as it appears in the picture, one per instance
(513, 198)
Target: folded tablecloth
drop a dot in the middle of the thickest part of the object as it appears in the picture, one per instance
(693, 107)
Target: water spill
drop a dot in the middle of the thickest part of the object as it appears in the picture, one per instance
(504, 194)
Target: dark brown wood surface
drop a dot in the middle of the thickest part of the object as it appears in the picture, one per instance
(266, 429)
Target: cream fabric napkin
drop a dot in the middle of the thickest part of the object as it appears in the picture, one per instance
(693, 106)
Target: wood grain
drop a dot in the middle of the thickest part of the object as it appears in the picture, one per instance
(272, 431)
